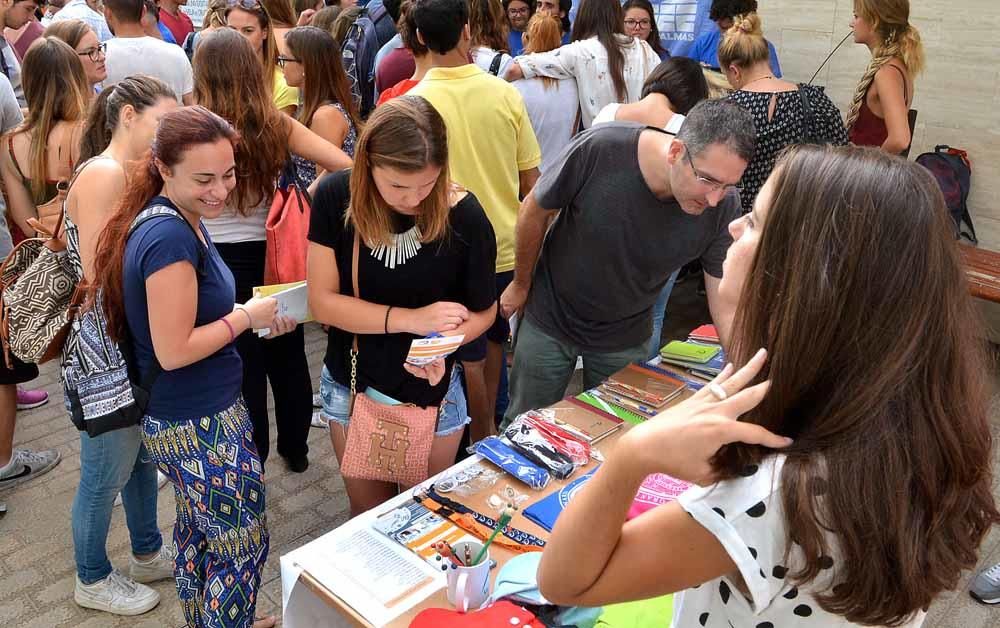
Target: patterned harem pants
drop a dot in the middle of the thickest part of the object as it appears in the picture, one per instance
(221, 529)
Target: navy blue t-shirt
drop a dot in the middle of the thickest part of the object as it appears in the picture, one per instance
(209, 385)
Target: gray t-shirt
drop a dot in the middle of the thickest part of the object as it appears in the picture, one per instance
(12, 70)
(614, 245)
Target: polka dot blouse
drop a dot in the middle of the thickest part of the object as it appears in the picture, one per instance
(787, 126)
(746, 516)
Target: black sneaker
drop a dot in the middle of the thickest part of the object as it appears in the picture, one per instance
(297, 465)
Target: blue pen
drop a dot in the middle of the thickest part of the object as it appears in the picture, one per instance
(629, 406)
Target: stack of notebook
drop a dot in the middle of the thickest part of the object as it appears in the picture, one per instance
(699, 356)
(634, 394)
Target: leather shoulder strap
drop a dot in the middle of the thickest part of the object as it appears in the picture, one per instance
(355, 256)
(13, 157)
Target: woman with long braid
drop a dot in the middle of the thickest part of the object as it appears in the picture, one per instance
(878, 114)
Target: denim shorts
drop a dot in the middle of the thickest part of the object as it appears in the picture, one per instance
(452, 417)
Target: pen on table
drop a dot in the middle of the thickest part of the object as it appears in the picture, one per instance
(621, 401)
(690, 383)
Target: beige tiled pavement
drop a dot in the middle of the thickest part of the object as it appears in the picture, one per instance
(36, 547)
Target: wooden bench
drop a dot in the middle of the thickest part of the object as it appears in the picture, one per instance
(982, 269)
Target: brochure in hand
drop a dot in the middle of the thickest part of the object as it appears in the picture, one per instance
(293, 301)
(423, 351)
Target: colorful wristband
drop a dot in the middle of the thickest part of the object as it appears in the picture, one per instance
(232, 332)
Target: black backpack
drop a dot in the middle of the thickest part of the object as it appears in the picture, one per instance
(953, 172)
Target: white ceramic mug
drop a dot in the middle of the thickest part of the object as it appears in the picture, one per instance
(468, 587)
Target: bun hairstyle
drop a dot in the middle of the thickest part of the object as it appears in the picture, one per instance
(138, 91)
(743, 44)
(900, 40)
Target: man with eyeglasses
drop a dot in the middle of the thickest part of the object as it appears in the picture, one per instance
(634, 203)
(518, 13)
(88, 11)
(132, 51)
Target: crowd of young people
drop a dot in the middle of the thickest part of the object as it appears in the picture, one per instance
(518, 164)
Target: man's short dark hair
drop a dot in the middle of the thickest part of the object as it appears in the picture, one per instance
(531, 5)
(565, 6)
(440, 22)
(719, 122)
(721, 9)
(125, 11)
(392, 8)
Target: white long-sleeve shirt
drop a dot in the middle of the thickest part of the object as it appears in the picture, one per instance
(587, 61)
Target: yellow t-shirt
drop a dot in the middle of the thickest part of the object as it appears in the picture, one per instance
(284, 96)
(490, 140)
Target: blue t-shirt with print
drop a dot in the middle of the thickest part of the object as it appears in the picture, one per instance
(209, 385)
(706, 50)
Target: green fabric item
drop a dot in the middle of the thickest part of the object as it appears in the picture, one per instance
(653, 613)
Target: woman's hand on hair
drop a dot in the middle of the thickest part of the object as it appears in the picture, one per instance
(436, 318)
(305, 18)
(432, 372)
(280, 326)
(681, 441)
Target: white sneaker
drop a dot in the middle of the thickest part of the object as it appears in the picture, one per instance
(318, 420)
(160, 481)
(27, 465)
(116, 594)
(160, 567)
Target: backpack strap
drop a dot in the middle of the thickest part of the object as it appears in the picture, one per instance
(807, 116)
(495, 64)
(379, 12)
(156, 211)
(147, 380)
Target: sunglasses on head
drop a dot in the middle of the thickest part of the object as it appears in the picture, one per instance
(247, 5)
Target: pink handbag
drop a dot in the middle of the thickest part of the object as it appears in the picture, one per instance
(388, 443)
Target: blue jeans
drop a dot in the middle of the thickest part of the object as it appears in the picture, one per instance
(113, 462)
(453, 415)
(660, 313)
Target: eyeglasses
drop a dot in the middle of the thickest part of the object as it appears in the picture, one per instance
(283, 60)
(94, 53)
(709, 182)
(630, 23)
(523, 11)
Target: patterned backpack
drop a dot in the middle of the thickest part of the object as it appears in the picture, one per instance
(101, 379)
(41, 295)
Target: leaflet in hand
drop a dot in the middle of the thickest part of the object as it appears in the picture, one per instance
(423, 351)
(293, 301)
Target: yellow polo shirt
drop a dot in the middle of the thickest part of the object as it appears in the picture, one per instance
(283, 95)
(490, 140)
